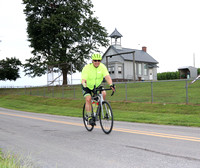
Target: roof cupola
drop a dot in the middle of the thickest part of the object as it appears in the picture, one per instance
(116, 39)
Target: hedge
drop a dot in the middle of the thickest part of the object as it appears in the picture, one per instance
(168, 75)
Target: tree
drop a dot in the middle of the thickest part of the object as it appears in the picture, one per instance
(61, 32)
(9, 69)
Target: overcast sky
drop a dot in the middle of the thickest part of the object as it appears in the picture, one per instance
(169, 29)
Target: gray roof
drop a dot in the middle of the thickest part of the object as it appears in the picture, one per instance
(140, 55)
(187, 67)
(115, 34)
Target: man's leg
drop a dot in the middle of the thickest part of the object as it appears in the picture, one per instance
(104, 95)
(88, 105)
(88, 109)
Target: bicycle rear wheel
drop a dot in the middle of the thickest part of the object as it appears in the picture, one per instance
(106, 117)
(85, 120)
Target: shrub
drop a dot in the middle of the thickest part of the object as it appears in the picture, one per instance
(168, 75)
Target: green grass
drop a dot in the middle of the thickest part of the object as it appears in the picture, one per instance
(56, 106)
(165, 114)
(163, 92)
(8, 160)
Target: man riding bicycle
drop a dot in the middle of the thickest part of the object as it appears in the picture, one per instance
(92, 75)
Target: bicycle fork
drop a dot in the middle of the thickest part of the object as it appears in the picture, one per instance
(101, 104)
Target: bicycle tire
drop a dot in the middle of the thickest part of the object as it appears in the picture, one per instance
(85, 121)
(106, 117)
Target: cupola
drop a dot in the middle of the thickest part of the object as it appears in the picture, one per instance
(116, 39)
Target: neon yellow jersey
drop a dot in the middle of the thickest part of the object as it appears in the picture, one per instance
(94, 76)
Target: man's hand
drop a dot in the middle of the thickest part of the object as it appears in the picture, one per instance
(112, 86)
(83, 82)
(84, 85)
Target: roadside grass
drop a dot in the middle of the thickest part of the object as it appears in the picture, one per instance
(37, 104)
(156, 113)
(8, 160)
(173, 91)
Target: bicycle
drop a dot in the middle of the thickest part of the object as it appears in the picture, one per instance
(103, 113)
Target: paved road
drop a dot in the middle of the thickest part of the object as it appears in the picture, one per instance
(62, 142)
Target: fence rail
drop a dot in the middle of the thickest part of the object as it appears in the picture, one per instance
(171, 91)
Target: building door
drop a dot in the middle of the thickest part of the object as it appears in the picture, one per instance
(150, 74)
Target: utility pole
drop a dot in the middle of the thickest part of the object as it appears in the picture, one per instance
(194, 59)
(134, 66)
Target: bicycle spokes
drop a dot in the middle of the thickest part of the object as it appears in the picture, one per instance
(86, 120)
(106, 117)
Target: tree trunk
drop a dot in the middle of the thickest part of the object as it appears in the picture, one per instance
(64, 71)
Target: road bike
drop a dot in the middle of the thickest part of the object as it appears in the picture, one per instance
(102, 113)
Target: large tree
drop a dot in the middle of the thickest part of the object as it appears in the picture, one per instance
(61, 32)
(9, 69)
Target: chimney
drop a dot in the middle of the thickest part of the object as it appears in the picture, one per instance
(144, 49)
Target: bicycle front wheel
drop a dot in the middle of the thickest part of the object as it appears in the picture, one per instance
(106, 117)
(85, 120)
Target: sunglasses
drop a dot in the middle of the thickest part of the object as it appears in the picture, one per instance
(97, 60)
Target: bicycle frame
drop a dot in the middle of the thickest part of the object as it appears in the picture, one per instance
(99, 100)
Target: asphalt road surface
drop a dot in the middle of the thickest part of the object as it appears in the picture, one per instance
(62, 142)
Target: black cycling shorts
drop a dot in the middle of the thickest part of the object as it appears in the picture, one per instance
(86, 91)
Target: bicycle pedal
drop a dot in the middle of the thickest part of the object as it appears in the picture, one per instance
(93, 124)
(91, 121)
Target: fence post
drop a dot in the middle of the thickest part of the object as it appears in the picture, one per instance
(126, 91)
(62, 91)
(186, 88)
(151, 91)
(52, 91)
(74, 92)
(44, 91)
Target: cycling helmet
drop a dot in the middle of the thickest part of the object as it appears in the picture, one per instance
(96, 56)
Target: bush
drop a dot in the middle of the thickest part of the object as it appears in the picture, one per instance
(168, 75)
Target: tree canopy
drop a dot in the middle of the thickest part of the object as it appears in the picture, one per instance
(9, 69)
(61, 32)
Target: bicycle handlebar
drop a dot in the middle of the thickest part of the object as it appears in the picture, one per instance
(102, 89)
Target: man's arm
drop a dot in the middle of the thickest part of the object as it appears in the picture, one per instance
(109, 81)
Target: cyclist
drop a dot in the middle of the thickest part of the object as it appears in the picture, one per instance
(92, 75)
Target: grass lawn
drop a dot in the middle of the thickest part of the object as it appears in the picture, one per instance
(161, 92)
(8, 160)
(165, 114)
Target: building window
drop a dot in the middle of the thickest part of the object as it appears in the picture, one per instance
(111, 70)
(145, 69)
(139, 69)
(119, 69)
